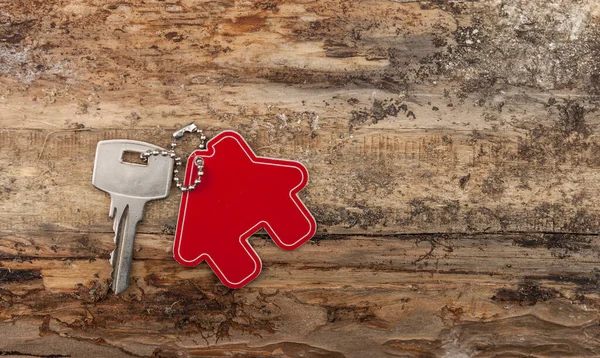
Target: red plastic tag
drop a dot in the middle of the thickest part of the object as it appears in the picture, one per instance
(240, 193)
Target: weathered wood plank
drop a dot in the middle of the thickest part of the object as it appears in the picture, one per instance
(564, 256)
(359, 316)
(377, 182)
(364, 287)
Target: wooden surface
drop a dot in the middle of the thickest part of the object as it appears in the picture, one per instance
(454, 157)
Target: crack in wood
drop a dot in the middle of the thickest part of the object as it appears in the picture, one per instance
(16, 353)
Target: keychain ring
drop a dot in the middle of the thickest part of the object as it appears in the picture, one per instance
(190, 128)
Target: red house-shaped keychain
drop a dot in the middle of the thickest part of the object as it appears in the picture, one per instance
(240, 194)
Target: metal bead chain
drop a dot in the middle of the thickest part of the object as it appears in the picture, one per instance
(199, 161)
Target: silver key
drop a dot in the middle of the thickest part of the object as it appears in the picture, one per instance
(130, 186)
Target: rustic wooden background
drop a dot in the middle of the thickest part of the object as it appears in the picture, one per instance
(454, 155)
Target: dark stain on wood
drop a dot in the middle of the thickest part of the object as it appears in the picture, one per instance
(14, 32)
(525, 295)
(567, 242)
(183, 308)
(19, 276)
(283, 349)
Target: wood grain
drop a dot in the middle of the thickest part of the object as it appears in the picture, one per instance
(453, 149)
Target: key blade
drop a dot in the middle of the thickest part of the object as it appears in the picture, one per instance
(128, 213)
(120, 279)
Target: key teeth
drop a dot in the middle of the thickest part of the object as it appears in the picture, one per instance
(115, 284)
(121, 216)
(112, 210)
(116, 213)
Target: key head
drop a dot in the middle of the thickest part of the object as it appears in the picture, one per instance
(115, 176)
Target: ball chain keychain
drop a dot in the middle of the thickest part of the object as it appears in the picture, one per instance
(199, 161)
(245, 193)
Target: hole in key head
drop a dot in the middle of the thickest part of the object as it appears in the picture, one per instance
(132, 158)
